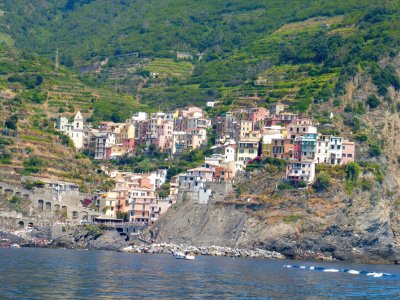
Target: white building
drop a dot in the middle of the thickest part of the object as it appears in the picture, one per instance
(74, 130)
(301, 171)
(139, 116)
(158, 178)
(335, 151)
(104, 141)
(178, 142)
(322, 149)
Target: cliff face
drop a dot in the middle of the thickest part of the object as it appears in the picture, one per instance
(361, 223)
(292, 223)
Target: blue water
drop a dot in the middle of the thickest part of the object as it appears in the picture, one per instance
(69, 274)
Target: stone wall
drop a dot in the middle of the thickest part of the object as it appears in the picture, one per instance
(47, 201)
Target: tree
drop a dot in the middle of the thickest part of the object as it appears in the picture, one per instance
(322, 182)
(353, 170)
(11, 122)
(373, 101)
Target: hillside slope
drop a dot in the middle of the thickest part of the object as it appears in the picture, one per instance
(250, 51)
(32, 95)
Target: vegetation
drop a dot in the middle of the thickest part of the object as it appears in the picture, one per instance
(33, 165)
(322, 182)
(292, 218)
(353, 170)
(303, 53)
(16, 203)
(373, 101)
(29, 185)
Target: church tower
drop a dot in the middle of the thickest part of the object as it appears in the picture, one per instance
(77, 132)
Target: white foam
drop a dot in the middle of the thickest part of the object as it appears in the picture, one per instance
(287, 266)
(331, 270)
(302, 267)
(353, 272)
(312, 268)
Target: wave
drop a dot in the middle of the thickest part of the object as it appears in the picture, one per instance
(349, 271)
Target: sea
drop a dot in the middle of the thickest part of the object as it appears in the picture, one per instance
(29, 273)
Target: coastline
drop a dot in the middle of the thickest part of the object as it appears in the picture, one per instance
(80, 238)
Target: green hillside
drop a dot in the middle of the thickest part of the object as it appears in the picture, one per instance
(258, 50)
(32, 95)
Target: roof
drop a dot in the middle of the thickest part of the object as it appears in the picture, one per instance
(78, 116)
(201, 169)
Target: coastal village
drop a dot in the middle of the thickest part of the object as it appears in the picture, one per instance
(242, 136)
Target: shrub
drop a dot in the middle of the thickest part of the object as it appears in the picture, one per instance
(373, 101)
(31, 184)
(11, 122)
(5, 158)
(33, 165)
(374, 149)
(301, 184)
(366, 184)
(284, 186)
(322, 182)
(337, 102)
(348, 108)
(361, 137)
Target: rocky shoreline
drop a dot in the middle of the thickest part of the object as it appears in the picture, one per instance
(166, 248)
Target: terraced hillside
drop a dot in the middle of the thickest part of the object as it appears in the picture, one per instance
(32, 95)
(242, 44)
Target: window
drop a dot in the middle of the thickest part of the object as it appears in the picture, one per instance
(349, 155)
(338, 147)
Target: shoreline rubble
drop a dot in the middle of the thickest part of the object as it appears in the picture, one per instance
(166, 248)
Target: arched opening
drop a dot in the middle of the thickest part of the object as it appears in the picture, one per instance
(21, 224)
(30, 224)
(40, 205)
(25, 196)
(18, 194)
(57, 207)
(74, 215)
(48, 206)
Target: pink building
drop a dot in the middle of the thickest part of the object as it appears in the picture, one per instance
(348, 152)
(297, 149)
(164, 135)
(283, 118)
(258, 114)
